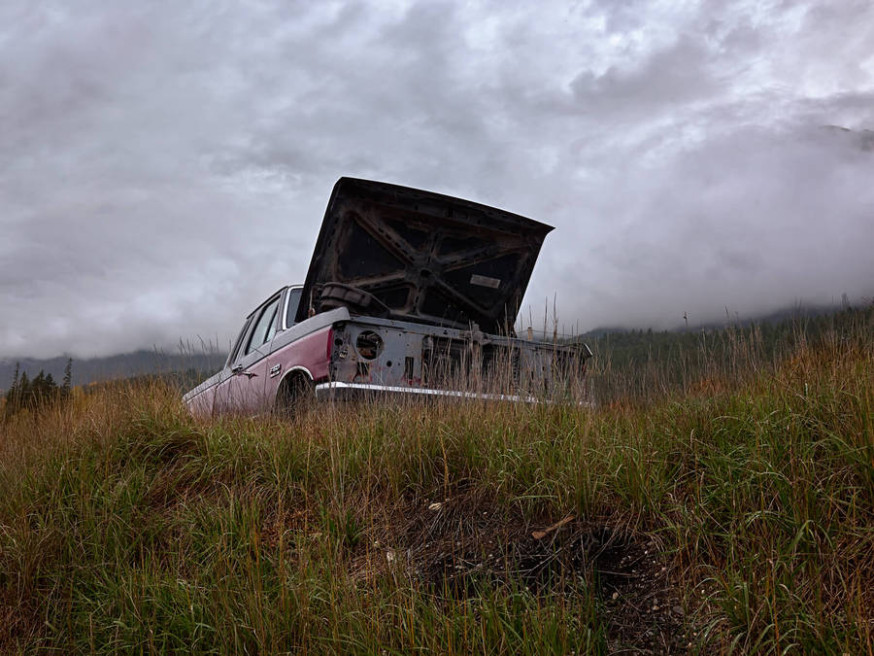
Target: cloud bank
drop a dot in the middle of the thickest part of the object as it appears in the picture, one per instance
(165, 166)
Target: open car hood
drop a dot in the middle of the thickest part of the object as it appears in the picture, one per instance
(402, 253)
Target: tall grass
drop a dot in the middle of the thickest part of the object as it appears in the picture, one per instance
(732, 513)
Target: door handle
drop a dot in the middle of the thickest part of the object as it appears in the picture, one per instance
(238, 371)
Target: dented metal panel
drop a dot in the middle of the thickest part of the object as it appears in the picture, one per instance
(371, 353)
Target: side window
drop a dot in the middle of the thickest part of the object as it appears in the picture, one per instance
(293, 303)
(238, 344)
(265, 328)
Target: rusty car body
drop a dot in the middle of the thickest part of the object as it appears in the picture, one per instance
(409, 293)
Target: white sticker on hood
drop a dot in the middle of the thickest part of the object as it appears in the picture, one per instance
(485, 281)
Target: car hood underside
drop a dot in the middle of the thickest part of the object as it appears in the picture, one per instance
(413, 255)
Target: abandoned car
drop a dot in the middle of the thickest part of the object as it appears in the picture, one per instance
(409, 294)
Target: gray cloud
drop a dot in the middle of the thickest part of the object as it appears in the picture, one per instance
(670, 77)
(164, 166)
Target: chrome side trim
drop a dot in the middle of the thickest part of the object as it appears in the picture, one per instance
(337, 389)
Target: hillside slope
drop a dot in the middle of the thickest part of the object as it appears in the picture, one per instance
(734, 514)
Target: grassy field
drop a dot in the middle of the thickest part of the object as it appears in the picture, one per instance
(727, 509)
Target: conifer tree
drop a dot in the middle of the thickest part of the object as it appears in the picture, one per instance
(67, 385)
(13, 393)
(50, 389)
(37, 389)
(24, 391)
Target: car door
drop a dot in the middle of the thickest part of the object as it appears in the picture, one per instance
(247, 389)
(221, 400)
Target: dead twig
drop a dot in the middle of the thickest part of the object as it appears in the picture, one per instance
(539, 535)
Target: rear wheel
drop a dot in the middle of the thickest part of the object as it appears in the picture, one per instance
(296, 393)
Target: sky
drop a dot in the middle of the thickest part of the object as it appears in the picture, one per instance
(164, 166)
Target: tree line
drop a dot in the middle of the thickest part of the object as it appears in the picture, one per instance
(38, 392)
(639, 362)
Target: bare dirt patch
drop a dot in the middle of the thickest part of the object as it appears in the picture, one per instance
(455, 547)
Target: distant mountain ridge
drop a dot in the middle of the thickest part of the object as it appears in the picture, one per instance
(125, 365)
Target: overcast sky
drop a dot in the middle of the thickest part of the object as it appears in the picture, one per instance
(164, 166)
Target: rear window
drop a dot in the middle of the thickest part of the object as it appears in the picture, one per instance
(293, 303)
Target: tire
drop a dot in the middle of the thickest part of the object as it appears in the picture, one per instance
(296, 394)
